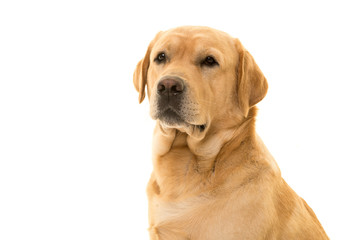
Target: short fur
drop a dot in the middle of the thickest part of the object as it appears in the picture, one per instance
(220, 182)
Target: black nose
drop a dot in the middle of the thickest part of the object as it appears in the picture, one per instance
(170, 87)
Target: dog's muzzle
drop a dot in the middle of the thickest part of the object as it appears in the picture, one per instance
(170, 94)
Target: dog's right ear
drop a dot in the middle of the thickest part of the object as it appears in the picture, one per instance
(140, 73)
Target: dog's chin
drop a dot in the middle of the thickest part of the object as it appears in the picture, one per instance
(172, 120)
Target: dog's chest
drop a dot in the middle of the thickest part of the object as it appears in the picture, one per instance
(187, 218)
(198, 218)
(174, 211)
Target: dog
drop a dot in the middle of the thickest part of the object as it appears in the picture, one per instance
(213, 178)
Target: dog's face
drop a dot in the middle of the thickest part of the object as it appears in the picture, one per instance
(196, 77)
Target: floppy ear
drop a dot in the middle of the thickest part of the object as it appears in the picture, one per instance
(252, 85)
(140, 75)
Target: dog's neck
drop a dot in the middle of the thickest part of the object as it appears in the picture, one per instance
(207, 149)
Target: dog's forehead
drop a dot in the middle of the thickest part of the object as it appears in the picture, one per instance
(193, 38)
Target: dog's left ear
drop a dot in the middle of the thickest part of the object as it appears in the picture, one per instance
(252, 84)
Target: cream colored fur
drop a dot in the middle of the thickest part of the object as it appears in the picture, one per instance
(220, 183)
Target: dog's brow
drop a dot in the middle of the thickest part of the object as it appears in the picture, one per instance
(202, 53)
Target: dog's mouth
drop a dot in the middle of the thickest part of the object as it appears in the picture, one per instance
(172, 118)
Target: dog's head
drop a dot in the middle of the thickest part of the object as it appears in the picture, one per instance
(196, 77)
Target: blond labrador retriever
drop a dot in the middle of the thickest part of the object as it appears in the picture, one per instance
(213, 177)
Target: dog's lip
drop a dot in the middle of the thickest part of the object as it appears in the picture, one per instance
(169, 108)
(201, 127)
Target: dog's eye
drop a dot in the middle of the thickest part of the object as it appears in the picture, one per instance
(209, 61)
(161, 57)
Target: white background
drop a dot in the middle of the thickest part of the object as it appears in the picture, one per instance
(75, 144)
